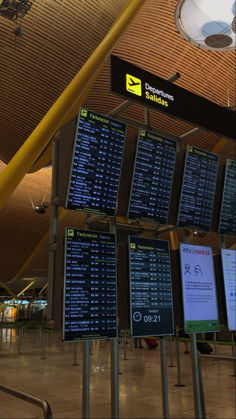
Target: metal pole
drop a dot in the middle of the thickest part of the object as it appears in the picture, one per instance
(215, 342)
(179, 384)
(195, 371)
(19, 341)
(114, 378)
(75, 363)
(164, 380)
(43, 355)
(233, 355)
(203, 404)
(125, 346)
(86, 380)
(53, 229)
(171, 353)
(114, 362)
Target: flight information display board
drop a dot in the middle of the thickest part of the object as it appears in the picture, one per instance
(96, 166)
(199, 289)
(227, 225)
(90, 307)
(228, 258)
(151, 307)
(198, 189)
(152, 178)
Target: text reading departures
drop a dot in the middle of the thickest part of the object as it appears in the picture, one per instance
(90, 310)
(198, 189)
(152, 179)
(150, 287)
(96, 166)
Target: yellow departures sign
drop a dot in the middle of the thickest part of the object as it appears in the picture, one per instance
(133, 85)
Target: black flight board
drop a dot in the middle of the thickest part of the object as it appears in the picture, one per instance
(198, 189)
(90, 308)
(96, 166)
(152, 178)
(151, 308)
(227, 225)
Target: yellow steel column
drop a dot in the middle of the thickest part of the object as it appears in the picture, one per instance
(33, 146)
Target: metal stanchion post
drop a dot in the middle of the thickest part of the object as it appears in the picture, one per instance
(179, 384)
(125, 346)
(233, 355)
(86, 379)
(75, 363)
(215, 342)
(164, 381)
(19, 341)
(43, 355)
(195, 370)
(171, 353)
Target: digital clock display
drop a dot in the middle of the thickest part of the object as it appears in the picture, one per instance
(151, 306)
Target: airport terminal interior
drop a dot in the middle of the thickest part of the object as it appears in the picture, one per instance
(117, 209)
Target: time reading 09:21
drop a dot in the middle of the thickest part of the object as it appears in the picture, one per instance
(137, 317)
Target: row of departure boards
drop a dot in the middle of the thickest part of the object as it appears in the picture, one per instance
(90, 287)
(96, 167)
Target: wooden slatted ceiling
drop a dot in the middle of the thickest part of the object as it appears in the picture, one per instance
(59, 36)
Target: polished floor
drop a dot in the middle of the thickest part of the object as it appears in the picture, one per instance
(58, 381)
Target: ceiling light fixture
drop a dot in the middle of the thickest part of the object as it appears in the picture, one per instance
(209, 24)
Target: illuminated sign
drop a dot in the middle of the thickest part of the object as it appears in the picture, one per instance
(229, 273)
(152, 178)
(151, 307)
(199, 289)
(198, 189)
(140, 85)
(90, 309)
(227, 225)
(96, 165)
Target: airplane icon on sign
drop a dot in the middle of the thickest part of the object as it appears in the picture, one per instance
(133, 85)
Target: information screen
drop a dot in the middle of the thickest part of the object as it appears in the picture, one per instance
(96, 166)
(198, 288)
(227, 226)
(151, 308)
(90, 308)
(229, 274)
(152, 179)
(198, 189)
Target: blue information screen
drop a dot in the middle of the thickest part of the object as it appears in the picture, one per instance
(152, 179)
(96, 166)
(90, 307)
(151, 307)
(227, 225)
(198, 189)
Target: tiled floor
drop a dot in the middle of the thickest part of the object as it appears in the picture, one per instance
(60, 383)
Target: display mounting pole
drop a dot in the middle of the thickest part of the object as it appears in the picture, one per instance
(164, 380)
(195, 366)
(86, 379)
(114, 362)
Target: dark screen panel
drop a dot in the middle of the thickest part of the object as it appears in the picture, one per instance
(198, 189)
(90, 309)
(152, 178)
(151, 307)
(227, 225)
(96, 165)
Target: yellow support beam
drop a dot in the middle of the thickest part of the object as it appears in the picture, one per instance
(27, 286)
(49, 125)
